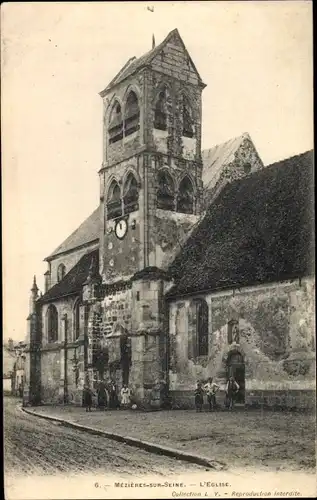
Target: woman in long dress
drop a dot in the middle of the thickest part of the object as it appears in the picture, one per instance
(125, 396)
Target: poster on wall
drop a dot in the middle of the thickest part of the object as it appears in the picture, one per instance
(158, 174)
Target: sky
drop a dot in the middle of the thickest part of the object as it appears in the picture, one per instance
(255, 57)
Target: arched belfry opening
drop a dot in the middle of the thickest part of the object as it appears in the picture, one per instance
(160, 111)
(115, 128)
(131, 114)
(114, 205)
(165, 191)
(130, 194)
(188, 122)
(185, 199)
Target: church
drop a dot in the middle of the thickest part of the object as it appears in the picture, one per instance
(194, 264)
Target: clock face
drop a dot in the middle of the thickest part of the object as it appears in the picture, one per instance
(121, 228)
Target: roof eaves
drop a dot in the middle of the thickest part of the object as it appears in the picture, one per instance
(43, 300)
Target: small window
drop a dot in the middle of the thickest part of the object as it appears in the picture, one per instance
(52, 324)
(247, 168)
(185, 200)
(131, 195)
(188, 124)
(61, 271)
(131, 115)
(160, 115)
(165, 192)
(115, 129)
(114, 206)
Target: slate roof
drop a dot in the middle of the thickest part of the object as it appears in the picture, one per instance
(218, 156)
(73, 281)
(259, 229)
(134, 64)
(86, 233)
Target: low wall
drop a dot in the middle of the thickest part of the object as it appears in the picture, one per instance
(274, 399)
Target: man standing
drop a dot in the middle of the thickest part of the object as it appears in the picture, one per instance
(231, 390)
(211, 388)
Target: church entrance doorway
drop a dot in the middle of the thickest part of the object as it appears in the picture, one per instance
(236, 369)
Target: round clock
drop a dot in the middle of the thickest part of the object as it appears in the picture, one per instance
(121, 228)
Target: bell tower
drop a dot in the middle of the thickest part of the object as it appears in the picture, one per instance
(151, 195)
(151, 176)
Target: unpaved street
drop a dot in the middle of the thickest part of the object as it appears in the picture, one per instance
(36, 446)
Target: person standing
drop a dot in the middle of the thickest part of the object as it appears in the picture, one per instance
(87, 398)
(211, 388)
(199, 396)
(102, 396)
(125, 396)
(113, 396)
(232, 388)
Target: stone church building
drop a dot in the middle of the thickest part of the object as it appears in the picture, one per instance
(194, 264)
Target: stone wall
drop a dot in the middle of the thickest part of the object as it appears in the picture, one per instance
(276, 338)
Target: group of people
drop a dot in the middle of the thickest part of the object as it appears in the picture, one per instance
(107, 396)
(211, 389)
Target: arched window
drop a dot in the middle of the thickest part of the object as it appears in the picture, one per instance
(160, 115)
(201, 327)
(114, 207)
(131, 114)
(131, 194)
(185, 200)
(165, 191)
(61, 271)
(115, 128)
(188, 122)
(76, 320)
(233, 331)
(52, 324)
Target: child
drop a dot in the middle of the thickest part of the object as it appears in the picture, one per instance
(199, 396)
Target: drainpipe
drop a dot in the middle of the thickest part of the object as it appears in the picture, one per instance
(65, 359)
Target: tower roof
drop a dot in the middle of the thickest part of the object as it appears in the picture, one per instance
(134, 64)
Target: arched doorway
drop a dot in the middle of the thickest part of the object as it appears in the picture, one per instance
(236, 369)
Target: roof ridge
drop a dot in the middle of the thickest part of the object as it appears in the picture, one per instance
(72, 234)
(240, 137)
(308, 151)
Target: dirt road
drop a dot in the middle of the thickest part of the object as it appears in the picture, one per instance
(35, 446)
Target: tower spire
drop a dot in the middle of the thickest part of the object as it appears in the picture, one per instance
(34, 286)
(153, 41)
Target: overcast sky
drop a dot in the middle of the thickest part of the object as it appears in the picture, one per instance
(255, 57)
